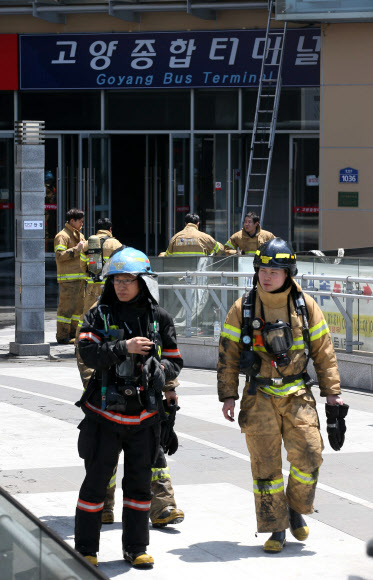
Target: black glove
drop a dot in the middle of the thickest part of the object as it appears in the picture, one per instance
(153, 375)
(335, 423)
(169, 440)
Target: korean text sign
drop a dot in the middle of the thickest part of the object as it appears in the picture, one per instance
(225, 58)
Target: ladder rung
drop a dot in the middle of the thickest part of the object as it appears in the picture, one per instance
(259, 158)
(252, 204)
(269, 80)
(261, 189)
(265, 110)
(264, 95)
(276, 33)
(258, 174)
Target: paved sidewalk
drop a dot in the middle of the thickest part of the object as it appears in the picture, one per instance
(210, 474)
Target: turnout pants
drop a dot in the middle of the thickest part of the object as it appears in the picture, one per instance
(100, 446)
(162, 490)
(70, 307)
(267, 421)
(92, 294)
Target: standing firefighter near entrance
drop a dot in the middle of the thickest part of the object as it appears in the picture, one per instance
(67, 246)
(130, 341)
(269, 335)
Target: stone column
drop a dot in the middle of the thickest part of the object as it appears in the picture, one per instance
(29, 240)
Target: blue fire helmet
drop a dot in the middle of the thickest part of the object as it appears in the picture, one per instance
(48, 175)
(132, 261)
(127, 261)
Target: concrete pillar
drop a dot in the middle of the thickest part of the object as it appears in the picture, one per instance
(30, 240)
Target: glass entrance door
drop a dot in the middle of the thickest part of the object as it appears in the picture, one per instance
(304, 192)
(180, 179)
(156, 205)
(213, 184)
(52, 183)
(95, 179)
(6, 196)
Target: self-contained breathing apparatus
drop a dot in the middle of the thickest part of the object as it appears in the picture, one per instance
(95, 257)
(277, 340)
(136, 376)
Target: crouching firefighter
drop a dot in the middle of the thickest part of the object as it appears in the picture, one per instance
(130, 342)
(269, 335)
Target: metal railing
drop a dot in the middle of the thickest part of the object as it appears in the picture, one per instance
(192, 282)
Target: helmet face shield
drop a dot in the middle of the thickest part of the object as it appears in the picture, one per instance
(276, 254)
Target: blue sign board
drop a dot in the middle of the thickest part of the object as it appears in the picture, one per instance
(348, 175)
(224, 58)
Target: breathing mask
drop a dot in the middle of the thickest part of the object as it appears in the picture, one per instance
(278, 339)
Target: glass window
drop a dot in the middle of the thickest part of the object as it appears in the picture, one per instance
(150, 110)
(299, 108)
(216, 109)
(210, 184)
(51, 184)
(62, 110)
(6, 110)
(6, 196)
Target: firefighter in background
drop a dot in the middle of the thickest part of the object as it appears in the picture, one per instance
(131, 343)
(191, 242)
(67, 246)
(270, 334)
(248, 240)
(94, 255)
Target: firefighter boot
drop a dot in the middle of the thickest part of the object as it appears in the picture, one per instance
(92, 558)
(171, 515)
(107, 517)
(139, 559)
(298, 526)
(276, 542)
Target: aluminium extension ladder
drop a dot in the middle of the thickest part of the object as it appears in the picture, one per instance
(264, 128)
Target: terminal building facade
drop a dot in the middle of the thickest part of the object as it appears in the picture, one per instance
(149, 110)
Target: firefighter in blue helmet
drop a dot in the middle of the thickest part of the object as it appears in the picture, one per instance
(130, 341)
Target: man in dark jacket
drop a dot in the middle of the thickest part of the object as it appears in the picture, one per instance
(131, 343)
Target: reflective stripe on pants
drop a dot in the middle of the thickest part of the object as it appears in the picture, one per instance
(266, 420)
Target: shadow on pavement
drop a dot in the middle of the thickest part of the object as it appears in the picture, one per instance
(230, 551)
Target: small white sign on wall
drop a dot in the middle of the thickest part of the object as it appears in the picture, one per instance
(312, 180)
(33, 225)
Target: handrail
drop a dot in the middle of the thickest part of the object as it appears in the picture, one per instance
(227, 287)
(189, 282)
(216, 274)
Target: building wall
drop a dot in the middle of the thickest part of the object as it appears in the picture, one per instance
(239, 19)
(346, 133)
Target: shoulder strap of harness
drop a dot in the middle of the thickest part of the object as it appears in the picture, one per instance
(248, 309)
(103, 240)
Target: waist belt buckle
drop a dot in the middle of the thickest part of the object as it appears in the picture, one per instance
(277, 382)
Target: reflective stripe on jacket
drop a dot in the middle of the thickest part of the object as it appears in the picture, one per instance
(191, 242)
(67, 259)
(275, 307)
(245, 243)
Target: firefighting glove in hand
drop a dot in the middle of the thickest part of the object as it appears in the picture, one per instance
(335, 423)
(169, 440)
(153, 375)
